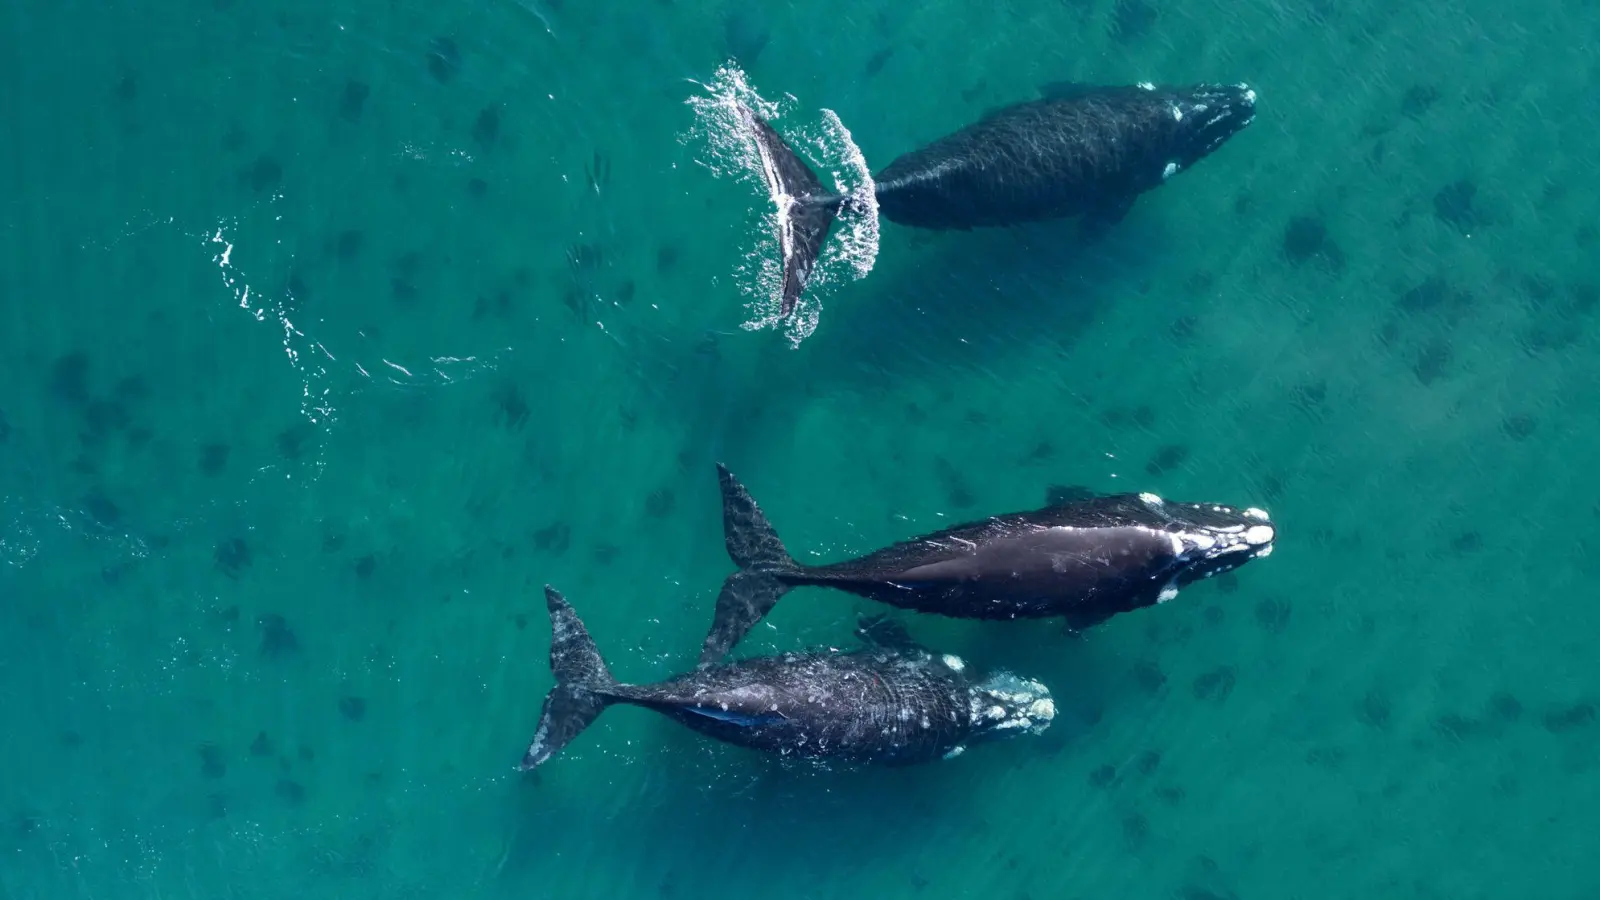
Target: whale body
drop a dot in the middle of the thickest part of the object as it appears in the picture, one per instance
(890, 703)
(1086, 150)
(1085, 560)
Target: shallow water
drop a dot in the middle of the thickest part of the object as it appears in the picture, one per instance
(329, 333)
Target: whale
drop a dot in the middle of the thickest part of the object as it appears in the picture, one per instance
(1086, 559)
(890, 702)
(1081, 150)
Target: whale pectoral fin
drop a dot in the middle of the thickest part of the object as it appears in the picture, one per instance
(1069, 90)
(1104, 216)
(1066, 90)
(1064, 494)
(1051, 91)
(1078, 621)
(881, 631)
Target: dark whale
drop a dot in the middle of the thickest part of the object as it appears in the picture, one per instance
(1086, 560)
(1086, 150)
(892, 703)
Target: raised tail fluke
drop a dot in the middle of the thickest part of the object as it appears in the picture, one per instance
(750, 593)
(582, 686)
(806, 209)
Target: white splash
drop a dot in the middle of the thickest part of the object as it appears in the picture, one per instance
(315, 402)
(19, 543)
(730, 149)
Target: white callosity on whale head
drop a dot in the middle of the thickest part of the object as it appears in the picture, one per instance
(1254, 540)
(1170, 170)
(1010, 704)
(1260, 539)
(1210, 548)
(954, 662)
(1037, 715)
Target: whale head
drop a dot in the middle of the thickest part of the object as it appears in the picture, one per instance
(1210, 538)
(1004, 705)
(1207, 116)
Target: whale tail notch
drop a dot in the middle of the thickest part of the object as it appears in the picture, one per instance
(806, 209)
(584, 686)
(750, 593)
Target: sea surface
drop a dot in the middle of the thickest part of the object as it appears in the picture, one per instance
(331, 332)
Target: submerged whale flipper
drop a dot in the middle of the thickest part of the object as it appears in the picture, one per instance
(881, 631)
(750, 593)
(1065, 90)
(583, 684)
(1053, 90)
(805, 208)
(1063, 494)
(1102, 217)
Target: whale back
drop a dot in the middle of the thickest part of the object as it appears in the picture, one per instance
(878, 705)
(1086, 559)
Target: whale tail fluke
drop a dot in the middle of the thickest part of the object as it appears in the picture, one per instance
(806, 209)
(750, 593)
(584, 686)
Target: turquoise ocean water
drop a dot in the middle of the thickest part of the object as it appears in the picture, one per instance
(330, 332)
